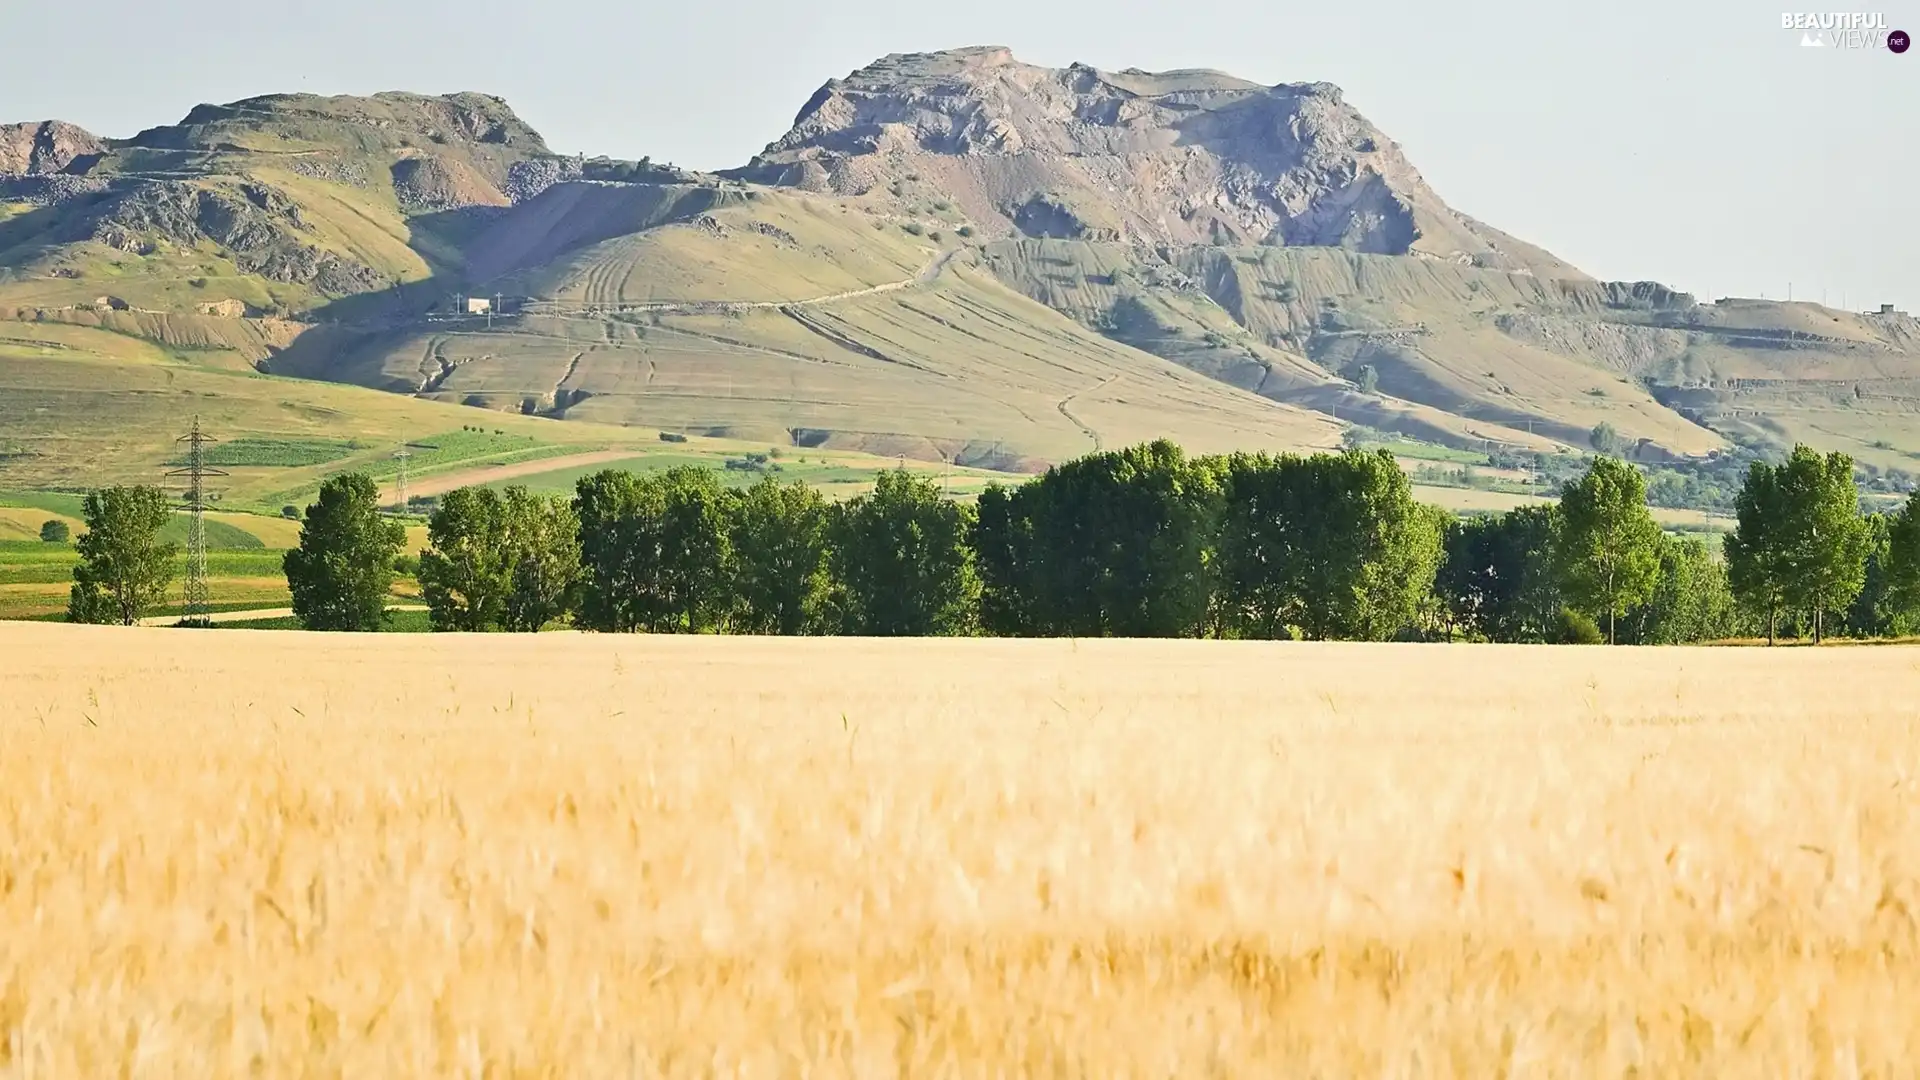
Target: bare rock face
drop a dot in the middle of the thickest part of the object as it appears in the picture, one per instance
(1171, 157)
(430, 183)
(47, 149)
(262, 230)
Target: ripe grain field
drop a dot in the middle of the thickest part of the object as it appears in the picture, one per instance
(564, 855)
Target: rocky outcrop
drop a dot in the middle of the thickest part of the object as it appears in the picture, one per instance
(392, 119)
(1171, 157)
(261, 229)
(430, 183)
(46, 149)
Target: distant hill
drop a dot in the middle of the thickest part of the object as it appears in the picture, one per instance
(951, 256)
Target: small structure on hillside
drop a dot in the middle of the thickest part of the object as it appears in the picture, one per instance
(479, 305)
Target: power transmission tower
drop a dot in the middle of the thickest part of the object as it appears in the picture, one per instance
(194, 607)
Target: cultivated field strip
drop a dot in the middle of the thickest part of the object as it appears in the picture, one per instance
(567, 855)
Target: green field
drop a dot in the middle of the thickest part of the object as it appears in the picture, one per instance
(837, 479)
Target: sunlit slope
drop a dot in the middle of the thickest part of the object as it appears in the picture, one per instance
(1287, 322)
(955, 367)
(605, 245)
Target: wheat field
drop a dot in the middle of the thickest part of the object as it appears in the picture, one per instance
(245, 853)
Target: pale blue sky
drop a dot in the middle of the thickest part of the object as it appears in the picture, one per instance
(1694, 143)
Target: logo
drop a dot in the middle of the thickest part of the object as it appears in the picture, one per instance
(1834, 20)
(1845, 30)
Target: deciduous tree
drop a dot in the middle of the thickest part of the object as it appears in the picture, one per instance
(124, 567)
(901, 564)
(1903, 567)
(1113, 544)
(1497, 578)
(544, 536)
(1607, 550)
(467, 572)
(656, 551)
(1332, 545)
(342, 571)
(1690, 601)
(780, 558)
(1757, 550)
(1826, 537)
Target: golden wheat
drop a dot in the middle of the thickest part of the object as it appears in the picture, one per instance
(235, 853)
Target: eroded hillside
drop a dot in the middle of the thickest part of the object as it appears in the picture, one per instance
(951, 256)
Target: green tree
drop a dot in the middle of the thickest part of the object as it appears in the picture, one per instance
(780, 558)
(1757, 551)
(901, 564)
(1826, 538)
(466, 573)
(1871, 614)
(1607, 550)
(616, 555)
(1903, 567)
(1001, 539)
(1690, 601)
(1604, 439)
(1112, 544)
(124, 569)
(1369, 379)
(342, 571)
(544, 536)
(55, 531)
(1497, 578)
(1332, 545)
(656, 551)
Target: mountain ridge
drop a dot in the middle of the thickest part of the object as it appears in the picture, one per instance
(953, 255)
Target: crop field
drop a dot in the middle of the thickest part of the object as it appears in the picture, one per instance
(250, 853)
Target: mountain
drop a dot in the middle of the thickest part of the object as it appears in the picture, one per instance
(951, 256)
(1180, 157)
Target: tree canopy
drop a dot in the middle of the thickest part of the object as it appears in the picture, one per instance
(342, 572)
(1607, 548)
(124, 568)
(901, 562)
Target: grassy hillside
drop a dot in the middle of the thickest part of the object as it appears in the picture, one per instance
(325, 239)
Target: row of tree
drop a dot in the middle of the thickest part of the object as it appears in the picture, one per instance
(1140, 542)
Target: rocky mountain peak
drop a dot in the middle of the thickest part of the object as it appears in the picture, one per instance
(1187, 156)
(47, 148)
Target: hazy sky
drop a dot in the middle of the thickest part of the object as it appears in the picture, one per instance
(1693, 143)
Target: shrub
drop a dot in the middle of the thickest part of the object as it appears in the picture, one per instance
(668, 436)
(1573, 628)
(55, 532)
(913, 228)
(965, 231)
(292, 513)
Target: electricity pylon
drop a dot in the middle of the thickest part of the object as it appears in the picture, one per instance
(195, 606)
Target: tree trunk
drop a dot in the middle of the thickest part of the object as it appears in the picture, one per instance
(1771, 619)
(1610, 626)
(1819, 618)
